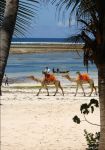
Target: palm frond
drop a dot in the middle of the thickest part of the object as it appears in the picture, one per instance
(27, 11)
(64, 6)
(75, 38)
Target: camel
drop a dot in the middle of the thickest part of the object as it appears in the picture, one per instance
(80, 83)
(45, 83)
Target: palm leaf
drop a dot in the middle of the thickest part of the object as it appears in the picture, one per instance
(27, 10)
(75, 38)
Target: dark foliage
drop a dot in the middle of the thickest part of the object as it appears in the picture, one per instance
(90, 16)
(76, 119)
(92, 140)
(85, 107)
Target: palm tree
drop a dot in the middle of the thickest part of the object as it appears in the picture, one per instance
(12, 12)
(91, 15)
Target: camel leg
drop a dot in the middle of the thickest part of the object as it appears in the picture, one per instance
(95, 90)
(91, 86)
(76, 90)
(61, 89)
(47, 91)
(39, 91)
(83, 90)
(91, 83)
(56, 91)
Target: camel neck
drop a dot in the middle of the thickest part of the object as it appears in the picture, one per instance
(70, 79)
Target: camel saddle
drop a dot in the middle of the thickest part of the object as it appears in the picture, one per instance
(49, 77)
(84, 77)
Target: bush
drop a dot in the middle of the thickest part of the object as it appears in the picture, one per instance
(92, 140)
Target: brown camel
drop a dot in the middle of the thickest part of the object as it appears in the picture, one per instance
(45, 83)
(80, 83)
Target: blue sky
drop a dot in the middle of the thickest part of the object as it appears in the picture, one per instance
(47, 25)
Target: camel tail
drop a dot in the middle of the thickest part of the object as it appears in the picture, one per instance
(95, 88)
(61, 88)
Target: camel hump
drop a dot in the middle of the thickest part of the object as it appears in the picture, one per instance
(50, 77)
(84, 76)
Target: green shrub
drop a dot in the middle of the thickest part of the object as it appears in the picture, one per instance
(92, 140)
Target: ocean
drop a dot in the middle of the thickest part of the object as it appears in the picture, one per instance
(21, 65)
(40, 40)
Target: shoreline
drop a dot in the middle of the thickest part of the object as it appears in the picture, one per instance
(19, 48)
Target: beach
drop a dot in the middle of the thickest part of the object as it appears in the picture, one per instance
(30, 122)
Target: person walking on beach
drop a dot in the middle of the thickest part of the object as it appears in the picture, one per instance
(6, 80)
(47, 70)
(58, 70)
(53, 70)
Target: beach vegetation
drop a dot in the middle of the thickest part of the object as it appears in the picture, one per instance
(85, 109)
(90, 17)
(91, 139)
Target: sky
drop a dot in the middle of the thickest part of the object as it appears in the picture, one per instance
(47, 24)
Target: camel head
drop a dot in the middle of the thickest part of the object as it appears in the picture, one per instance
(78, 73)
(66, 75)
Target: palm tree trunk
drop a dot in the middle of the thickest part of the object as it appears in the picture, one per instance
(101, 84)
(6, 32)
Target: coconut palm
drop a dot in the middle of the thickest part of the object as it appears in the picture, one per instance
(91, 16)
(13, 12)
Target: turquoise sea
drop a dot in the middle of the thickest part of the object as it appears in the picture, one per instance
(20, 65)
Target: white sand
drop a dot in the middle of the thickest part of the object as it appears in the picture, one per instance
(30, 122)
